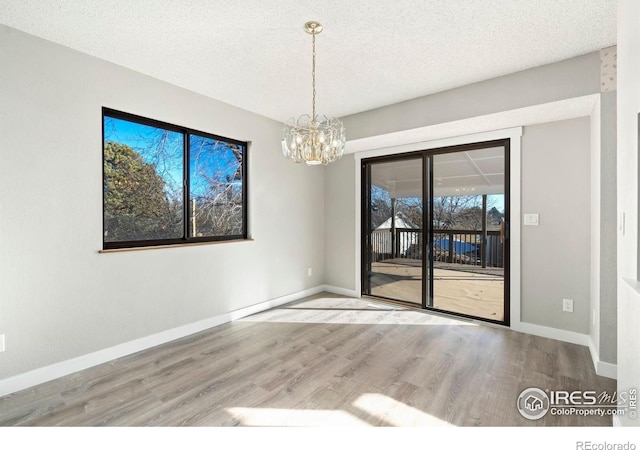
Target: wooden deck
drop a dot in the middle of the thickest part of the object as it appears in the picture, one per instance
(323, 361)
(457, 288)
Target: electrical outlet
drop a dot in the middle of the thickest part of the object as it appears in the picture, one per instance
(567, 305)
(1, 342)
(309, 271)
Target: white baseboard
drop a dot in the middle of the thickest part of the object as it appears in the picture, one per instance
(341, 291)
(604, 369)
(57, 370)
(552, 333)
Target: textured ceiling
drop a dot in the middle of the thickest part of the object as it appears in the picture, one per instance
(255, 55)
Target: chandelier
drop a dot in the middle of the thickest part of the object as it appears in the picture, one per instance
(315, 139)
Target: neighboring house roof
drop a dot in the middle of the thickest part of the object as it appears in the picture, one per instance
(400, 222)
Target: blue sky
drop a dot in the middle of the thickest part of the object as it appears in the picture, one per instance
(148, 141)
(209, 158)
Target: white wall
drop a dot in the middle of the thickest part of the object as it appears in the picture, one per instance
(608, 308)
(340, 224)
(60, 298)
(566, 79)
(603, 273)
(628, 287)
(595, 219)
(556, 254)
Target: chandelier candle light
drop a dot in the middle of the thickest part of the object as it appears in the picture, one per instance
(315, 139)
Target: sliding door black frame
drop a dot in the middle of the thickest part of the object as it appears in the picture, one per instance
(427, 215)
(365, 223)
(427, 237)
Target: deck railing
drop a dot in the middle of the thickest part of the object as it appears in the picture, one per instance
(449, 246)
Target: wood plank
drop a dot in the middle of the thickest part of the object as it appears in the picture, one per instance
(323, 360)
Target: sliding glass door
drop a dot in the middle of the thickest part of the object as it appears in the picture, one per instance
(435, 229)
(394, 219)
(468, 214)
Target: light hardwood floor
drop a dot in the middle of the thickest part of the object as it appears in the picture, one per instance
(324, 360)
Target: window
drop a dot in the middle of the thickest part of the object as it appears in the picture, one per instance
(165, 184)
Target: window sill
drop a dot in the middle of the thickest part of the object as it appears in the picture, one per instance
(186, 244)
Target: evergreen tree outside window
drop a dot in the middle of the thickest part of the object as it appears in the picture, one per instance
(164, 184)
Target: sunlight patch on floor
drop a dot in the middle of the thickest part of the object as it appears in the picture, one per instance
(350, 311)
(356, 321)
(275, 417)
(396, 413)
(381, 409)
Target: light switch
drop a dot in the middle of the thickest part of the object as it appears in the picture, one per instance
(531, 219)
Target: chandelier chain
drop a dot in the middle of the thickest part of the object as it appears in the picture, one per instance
(313, 76)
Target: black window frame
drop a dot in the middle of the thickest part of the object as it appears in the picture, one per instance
(187, 133)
